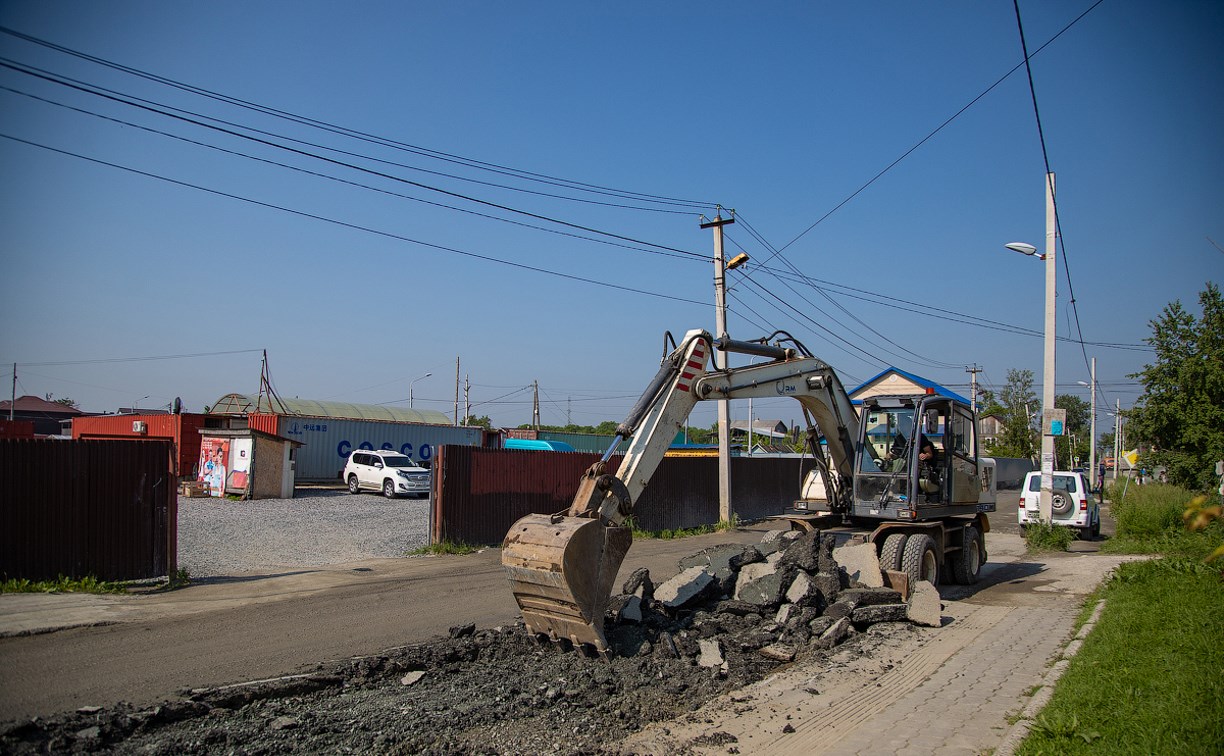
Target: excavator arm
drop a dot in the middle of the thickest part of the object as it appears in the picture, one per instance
(561, 567)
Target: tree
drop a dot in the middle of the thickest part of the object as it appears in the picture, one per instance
(483, 421)
(64, 401)
(1015, 404)
(1181, 412)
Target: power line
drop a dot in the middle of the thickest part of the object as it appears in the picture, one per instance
(938, 128)
(360, 135)
(159, 110)
(356, 227)
(108, 360)
(1045, 156)
(339, 180)
(926, 361)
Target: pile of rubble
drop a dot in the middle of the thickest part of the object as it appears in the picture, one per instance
(732, 616)
(790, 594)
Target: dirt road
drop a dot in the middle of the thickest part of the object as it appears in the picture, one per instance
(220, 632)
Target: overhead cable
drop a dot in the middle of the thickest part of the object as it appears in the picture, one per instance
(363, 136)
(356, 227)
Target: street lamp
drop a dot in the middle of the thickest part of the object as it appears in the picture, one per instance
(720, 361)
(414, 380)
(1047, 377)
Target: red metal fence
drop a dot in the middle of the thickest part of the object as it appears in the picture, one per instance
(102, 508)
(479, 493)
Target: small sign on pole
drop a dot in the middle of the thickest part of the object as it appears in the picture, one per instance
(1053, 422)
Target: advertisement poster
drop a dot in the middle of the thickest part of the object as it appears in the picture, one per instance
(214, 459)
(240, 465)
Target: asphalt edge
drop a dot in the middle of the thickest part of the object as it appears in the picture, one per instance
(1021, 728)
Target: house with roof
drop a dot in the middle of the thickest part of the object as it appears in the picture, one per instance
(766, 435)
(49, 417)
(896, 381)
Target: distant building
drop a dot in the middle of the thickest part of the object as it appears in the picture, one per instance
(49, 418)
(990, 427)
(896, 381)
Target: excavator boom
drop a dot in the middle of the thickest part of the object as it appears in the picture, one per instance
(562, 567)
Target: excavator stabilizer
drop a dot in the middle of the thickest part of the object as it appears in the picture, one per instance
(561, 571)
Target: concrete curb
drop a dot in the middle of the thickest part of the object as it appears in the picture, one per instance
(1020, 729)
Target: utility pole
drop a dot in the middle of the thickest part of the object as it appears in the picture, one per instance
(535, 404)
(720, 362)
(467, 398)
(973, 371)
(13, 401)
(1048, 372)
(457, 392)
(1092, 444)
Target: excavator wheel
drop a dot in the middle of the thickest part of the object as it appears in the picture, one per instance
(561, 571)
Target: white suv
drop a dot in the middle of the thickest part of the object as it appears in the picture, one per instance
(387, 471)
(1071, 502)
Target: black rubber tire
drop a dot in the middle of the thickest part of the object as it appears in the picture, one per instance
(920, 560)
(353, 486)
(1060, 503)
(389, 488)
(891, 550)
(1096, 526)
(964, 565)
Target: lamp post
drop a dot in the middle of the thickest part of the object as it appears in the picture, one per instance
(720, 360)
(136, 404)
(414, 380)
(1047, 377)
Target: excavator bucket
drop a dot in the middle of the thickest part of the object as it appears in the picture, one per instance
(561, 571)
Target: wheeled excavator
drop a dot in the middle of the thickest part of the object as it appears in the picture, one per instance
(904, 474)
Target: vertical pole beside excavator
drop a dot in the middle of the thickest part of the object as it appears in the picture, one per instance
(720, 363)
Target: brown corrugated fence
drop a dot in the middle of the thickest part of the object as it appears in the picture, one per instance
(479, 493)
(101, 508)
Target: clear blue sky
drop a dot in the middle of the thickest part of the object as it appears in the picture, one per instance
(780, 112)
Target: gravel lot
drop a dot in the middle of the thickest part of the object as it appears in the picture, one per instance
(219, 537)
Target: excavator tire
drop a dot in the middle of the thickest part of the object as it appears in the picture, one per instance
(920, 559)
(964, 565)
(561, 571)
(891, 550)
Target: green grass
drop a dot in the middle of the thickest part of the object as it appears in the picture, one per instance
(1149, 677)
(61, 585)
(1148, 511)
(670, 533)
(1045, 536)
(445, 547)
(1149, 521)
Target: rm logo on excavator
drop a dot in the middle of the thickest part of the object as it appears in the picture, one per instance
(783, 388)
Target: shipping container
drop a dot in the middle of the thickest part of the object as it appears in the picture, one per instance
(183, 430)
(583, 442)
(327, 442)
